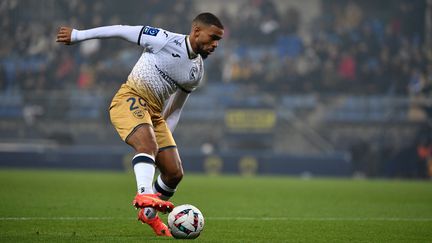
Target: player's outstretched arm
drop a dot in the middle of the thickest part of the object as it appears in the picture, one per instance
(69, 36)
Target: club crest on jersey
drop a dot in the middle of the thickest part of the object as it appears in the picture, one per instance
(150, 31)
(138, 113)
(193, 73)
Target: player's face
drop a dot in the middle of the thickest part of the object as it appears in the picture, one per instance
(207, 40)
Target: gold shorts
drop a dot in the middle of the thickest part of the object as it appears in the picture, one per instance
(129, 110)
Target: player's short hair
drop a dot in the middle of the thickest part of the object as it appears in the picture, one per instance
(208, 19)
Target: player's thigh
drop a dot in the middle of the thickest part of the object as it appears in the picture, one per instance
(163, 134)
(143, 140)
(169, 163)
(168, 159)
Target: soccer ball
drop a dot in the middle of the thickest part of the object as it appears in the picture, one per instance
(185, 222)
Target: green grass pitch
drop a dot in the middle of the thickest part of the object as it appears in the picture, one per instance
(77, 206)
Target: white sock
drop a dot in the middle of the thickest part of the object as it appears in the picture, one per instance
(144, 172)
(144, 169)
(165, 191)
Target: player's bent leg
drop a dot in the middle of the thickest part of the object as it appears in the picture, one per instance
(155, 223)
(169, 163)
(143, 140)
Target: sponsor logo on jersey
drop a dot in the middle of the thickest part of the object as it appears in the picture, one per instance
(150, 31)
(177, 42)
(170, 80)
(175, 55)
(165, 76)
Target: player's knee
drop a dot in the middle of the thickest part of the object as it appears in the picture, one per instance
(147, 148)
(178, 176)
(174, 178)
(143, 140)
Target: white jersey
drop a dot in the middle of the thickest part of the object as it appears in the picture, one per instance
(167, 64)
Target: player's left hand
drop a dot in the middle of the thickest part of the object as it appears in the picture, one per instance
(64, 35)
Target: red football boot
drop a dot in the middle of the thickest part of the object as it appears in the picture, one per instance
(155, 223)
(152, 201)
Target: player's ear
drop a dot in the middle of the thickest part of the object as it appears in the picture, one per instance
(196, 29)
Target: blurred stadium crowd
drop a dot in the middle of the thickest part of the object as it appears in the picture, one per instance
(364, 50)
(351, 48)
(31, 60)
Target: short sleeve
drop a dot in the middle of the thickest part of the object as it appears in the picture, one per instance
(154, 39)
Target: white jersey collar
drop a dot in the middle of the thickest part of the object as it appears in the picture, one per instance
(190, 51)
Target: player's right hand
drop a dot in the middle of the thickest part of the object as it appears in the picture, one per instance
(64, 35)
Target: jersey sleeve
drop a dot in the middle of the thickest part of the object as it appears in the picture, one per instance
(152, 38)
(125, 32)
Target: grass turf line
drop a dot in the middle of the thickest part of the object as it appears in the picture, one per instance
(98, 208)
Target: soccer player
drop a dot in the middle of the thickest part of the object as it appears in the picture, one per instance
(147, 107)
